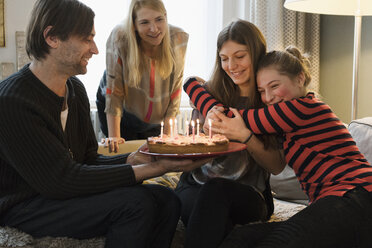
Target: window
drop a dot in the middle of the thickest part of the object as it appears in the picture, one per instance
(201, 19)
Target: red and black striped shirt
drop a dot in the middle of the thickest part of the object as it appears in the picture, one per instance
(317, 145)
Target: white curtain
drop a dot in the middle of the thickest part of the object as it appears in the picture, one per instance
(281, 28)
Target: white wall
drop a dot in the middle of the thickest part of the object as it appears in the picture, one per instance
(336, 65)
(16, 19)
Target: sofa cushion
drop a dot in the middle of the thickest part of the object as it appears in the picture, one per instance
(285, 186)
(361, 131)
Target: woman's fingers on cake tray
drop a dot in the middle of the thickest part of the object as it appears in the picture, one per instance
(113, 143)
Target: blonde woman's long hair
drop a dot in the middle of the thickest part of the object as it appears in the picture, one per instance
(136, 62)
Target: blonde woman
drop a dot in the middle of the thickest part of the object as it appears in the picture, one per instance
(144, 70)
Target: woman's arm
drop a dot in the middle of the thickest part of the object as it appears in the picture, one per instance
(115, 90)
(113, 126)
(113, 123)
(270, 158)
(283, 117)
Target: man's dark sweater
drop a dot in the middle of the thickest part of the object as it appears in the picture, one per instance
(37, 157)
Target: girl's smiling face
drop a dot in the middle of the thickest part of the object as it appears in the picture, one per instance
(236, 62)
(151, 26)
(275, 87)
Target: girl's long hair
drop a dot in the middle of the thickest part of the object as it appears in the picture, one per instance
(290, 62)
(135, 60)
(222, 87)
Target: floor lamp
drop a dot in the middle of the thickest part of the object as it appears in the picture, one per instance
(356, 8)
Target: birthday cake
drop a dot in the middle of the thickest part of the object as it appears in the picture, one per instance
(181, 144)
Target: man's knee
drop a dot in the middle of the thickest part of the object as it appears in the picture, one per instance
(131, 201)
(165, 197)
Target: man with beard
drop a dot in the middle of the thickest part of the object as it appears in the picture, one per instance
(52, 181)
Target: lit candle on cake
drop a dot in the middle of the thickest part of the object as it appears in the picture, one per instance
(210, 128)
(187, 128)
(171, 127)
(175, 128)
(161, 129)
(193, 130)
(197, 127)
(184, 116)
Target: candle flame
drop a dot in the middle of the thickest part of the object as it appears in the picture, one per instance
(192, 123)
(171, 122)
(162, 123)
(210, 122)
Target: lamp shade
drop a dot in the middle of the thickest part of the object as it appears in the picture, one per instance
(331, 7)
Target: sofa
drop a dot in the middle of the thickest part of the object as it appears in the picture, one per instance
(289, 198)
(361, 130)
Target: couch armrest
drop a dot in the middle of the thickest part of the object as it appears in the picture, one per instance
(361, 131)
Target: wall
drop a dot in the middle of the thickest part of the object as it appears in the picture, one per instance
(336, 65)
(15, 20)
(336, 58)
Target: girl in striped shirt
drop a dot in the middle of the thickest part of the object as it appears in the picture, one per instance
(333, 173)
(232, 189)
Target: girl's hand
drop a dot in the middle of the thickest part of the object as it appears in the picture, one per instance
(233, 128)
(199, 79)
(112, 143)
(213, 117)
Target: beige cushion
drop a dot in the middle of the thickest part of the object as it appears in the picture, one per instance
(361, 130)
(169, 180)
(285, 186)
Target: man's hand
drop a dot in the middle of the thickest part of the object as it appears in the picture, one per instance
(164, 165)
(137, 157)
(180, 165)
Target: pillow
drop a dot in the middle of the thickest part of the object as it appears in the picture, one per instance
(285, 186)
(361, 131)
(169, 180)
